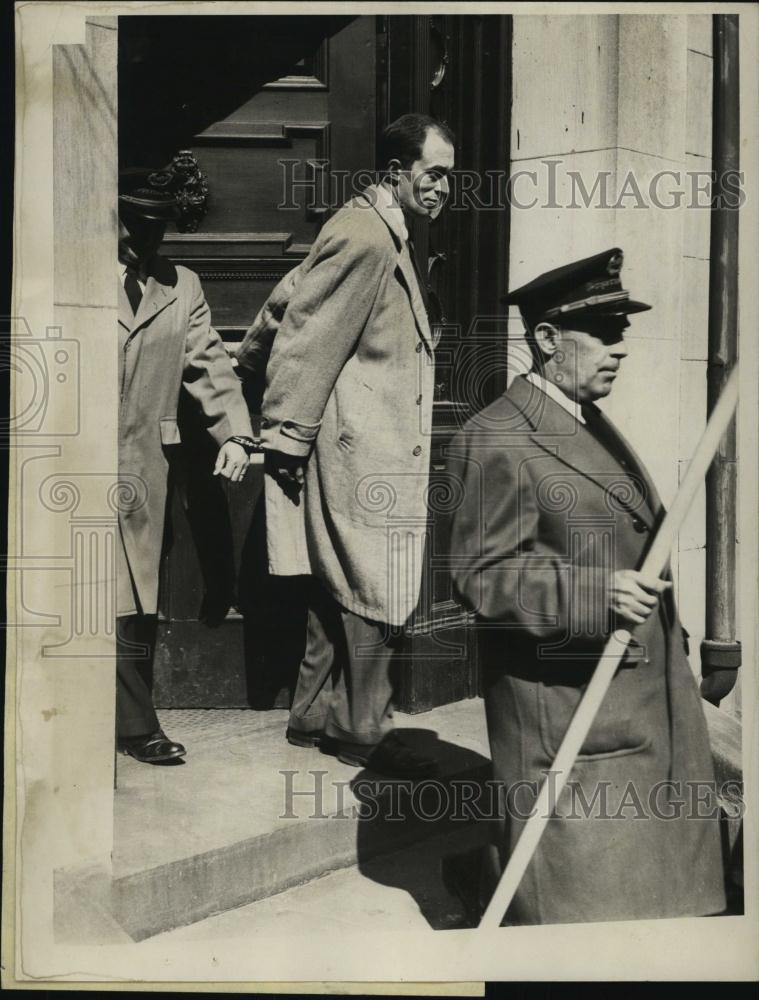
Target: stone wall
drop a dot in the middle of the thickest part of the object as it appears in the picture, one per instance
(624, 98)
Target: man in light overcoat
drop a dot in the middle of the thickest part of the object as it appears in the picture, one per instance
(166, 345)
(346, 420)
(557, 514)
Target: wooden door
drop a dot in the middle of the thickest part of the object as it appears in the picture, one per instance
(262, 101)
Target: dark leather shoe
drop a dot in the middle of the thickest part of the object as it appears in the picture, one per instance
(153, 749)
(390, 756)
(300, 739)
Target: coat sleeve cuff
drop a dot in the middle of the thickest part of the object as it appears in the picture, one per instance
(292, 437)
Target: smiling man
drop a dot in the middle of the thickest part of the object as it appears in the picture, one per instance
(345, 421)
(557, 514)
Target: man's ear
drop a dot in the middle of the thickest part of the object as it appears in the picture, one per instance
(393, 171)
(547, 338)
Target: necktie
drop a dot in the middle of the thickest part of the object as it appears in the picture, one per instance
(420, 279)
(608, 440)
(133, 290)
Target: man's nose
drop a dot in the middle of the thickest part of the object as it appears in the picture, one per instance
(443, 186)
(619, 349)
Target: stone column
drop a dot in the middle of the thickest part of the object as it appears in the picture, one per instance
(64, 463)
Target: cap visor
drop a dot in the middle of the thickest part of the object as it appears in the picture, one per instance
(599, 312)
(635, 307)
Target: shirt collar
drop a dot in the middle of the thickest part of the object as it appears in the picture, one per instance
(552, 390)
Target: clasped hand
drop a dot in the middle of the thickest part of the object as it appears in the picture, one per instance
(232, 462)
(288, 469)
(633, 596)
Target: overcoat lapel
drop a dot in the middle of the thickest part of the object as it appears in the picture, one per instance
(156, 298)
(391, 214)
(126, 316)
(652, 494)
(558, 433)
(406, 267)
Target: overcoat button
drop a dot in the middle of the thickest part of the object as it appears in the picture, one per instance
(419, 348)
(418, 400)
(639, 525)
(418, 450)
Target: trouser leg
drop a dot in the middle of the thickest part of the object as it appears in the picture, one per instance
(313, 690)
(135, 644)
(360, 707)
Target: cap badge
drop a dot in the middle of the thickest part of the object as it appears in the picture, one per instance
(614, 267)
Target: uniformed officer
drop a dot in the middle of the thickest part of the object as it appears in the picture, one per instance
(557, 514)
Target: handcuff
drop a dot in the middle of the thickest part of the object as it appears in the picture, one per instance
(251, 445)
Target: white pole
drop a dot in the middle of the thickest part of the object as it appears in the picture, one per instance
(614, 650)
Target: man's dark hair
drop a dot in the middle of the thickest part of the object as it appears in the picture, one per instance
(403, 139)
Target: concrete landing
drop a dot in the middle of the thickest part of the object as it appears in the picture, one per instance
(246, 815)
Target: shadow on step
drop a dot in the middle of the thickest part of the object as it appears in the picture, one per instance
(449, 810)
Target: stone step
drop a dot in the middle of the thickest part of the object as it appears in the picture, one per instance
(403, 890)
(247, 816)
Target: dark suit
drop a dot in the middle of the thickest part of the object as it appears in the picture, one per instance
(551, 509)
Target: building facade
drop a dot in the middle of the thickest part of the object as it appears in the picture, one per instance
(560, 110)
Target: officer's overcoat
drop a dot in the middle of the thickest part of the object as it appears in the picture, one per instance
(547, 514)
(168, 344)
(349, 386)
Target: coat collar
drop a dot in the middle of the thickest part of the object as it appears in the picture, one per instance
(160, 291)
(382, 200)
(384, 204)
(556, 431)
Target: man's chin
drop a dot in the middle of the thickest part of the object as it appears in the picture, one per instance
(421, 211)
(602, 389)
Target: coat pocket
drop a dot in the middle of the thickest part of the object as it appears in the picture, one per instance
(169, 431)
(356, 406)
(617, 729)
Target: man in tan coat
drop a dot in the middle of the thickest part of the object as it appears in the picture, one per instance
(166, 343)
(346, 421)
